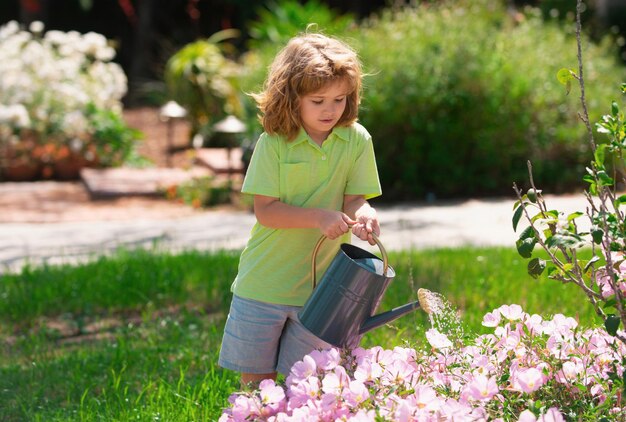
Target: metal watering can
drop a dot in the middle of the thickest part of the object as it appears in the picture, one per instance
(341, 308)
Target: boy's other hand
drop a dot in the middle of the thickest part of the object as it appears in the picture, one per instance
(366, 224)
(334, 224)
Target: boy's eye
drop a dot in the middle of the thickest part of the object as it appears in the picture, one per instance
(317, 101)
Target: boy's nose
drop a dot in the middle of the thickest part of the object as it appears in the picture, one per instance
(331, 108)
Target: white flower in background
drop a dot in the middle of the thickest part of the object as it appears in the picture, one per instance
(75, 123)
(14, 115)
(9, 29)
(36, 27)
(48, 79)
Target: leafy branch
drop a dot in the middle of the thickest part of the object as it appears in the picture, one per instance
(602, 277)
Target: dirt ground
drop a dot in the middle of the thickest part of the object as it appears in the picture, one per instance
(51, 201)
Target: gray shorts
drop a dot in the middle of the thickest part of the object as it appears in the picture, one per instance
(261, 338)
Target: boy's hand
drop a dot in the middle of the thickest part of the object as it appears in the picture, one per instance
(366, 224)
(333, 224)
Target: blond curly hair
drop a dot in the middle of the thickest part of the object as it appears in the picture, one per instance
(305, 65)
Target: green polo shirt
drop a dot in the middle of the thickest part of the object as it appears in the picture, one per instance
(275, 265)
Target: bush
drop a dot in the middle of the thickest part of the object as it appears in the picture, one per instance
(60, 100)
(461, 94)
(528, 369)
(461, 97)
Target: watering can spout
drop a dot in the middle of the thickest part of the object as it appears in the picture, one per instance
(382, 319)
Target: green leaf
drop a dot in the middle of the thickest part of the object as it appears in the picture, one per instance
(611, 324)
(525, 247)
(604, 178)
(610, 303)
(528, 232)
(614, 109)
(552, 271)
(553, 213)
(591, 262)
(536, 267)
(600, 153)
(620, 200)
(597, 234)
(516, 216)
(574, 215)
(565, 240)
(565, 77)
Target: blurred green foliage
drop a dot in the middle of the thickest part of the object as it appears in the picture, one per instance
(279, 20)
(460, 94)
(203, 80)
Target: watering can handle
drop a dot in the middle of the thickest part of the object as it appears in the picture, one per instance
(383, 252)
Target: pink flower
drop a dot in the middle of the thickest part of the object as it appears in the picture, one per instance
(304, 414)
(480, 387)
(356, 393)
(368, 371)
(303, 391)
(302, 370)
(570, 371)
(528, 380)
(453, 410)
(425, 397)
(492, 319)
(481, 364)
(243, 406)
(363, 416)
(552, 415)
(334, 382)
(270, 392)
(533, 323)
(326, 359)
(437, 339)
(510, 341)
(527, 416)
(511, 312)
(398, 372)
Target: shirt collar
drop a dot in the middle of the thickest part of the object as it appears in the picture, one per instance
(340, 132)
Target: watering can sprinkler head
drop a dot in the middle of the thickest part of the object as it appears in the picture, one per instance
(426, 299)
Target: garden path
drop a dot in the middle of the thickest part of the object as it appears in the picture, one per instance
(54, 222)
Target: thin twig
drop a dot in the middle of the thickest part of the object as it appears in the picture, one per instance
(581, 80)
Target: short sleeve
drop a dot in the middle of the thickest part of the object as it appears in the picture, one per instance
(363, 177)
(262, 176)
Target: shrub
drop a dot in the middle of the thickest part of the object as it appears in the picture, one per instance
(461, 96)
(528, 369)
(58, 91)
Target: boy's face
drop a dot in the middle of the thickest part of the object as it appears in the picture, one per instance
(321, 110)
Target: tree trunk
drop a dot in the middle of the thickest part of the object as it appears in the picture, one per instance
(142, 46)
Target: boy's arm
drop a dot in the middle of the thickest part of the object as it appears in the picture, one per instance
(271, 212)
(357, 207)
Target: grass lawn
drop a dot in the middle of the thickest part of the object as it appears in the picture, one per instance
(136, 336)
